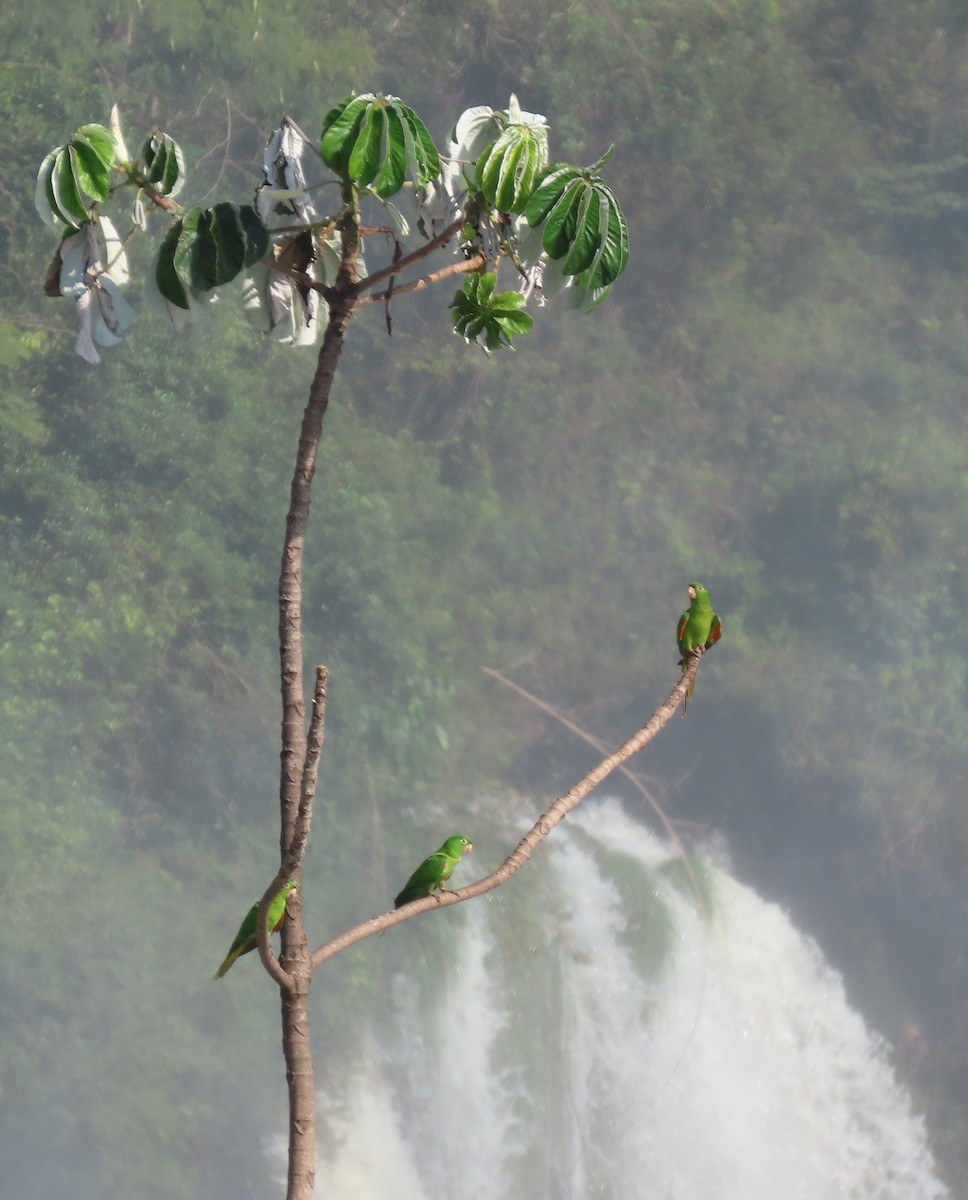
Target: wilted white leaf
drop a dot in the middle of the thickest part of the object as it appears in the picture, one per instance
(84, 345)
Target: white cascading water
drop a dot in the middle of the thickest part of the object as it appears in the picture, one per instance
(596, 1036)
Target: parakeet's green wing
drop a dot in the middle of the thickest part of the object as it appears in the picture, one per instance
(434, 871)
(245, 940)
(426, 879)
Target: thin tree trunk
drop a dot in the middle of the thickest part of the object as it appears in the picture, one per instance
(300, 747)
(298, 767)
(302, 1089)
(290, 576)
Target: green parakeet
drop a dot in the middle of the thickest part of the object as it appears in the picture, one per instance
(434, 871)
(245, 939)
(699, 627)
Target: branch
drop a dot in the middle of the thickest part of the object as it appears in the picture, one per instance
(464, 267)
(414, 256)
(305, 281)
(632, 778)
(139, 180)
(530, 842)
(310, 773)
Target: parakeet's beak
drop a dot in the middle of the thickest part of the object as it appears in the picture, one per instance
(692, 592)
(469, 847)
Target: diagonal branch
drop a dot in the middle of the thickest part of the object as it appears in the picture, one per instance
(637, 783)
(464, 267)
(531, 840)
(414, 256)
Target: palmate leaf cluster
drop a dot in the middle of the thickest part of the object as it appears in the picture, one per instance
(75, 176)
(479, 313)
(207, 248)
(378, 140)
(558, 226)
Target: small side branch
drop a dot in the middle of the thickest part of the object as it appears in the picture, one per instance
(532, 839)
(298, 277)
(414, 256)
(310, 774)
(464, 267)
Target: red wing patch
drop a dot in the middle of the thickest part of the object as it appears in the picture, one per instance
(716, 632)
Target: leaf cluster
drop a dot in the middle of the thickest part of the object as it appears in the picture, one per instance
(562, 220)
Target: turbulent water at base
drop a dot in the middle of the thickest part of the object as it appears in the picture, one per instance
(603, 1028)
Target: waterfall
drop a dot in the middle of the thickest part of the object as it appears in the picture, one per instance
(602, 1027)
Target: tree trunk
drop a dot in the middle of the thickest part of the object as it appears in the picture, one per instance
(290, 576)
(298, 767)
(299, 1077)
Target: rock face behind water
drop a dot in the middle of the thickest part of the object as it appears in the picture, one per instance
(599, 1036)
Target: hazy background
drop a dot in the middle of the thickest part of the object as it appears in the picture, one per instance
(772, 401)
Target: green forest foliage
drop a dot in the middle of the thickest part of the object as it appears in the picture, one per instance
(773, 400)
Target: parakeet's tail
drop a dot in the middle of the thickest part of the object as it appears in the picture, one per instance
(683, 663)
(236, 952)
(229, 960)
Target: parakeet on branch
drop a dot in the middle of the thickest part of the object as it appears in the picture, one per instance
(699, 627)
(434, 871)
(245, 939)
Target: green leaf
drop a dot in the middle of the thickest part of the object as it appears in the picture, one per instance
(423, 158)
(166, 274)
(340, 128)
(508, 168)
(184, 253)
(588, 232)
(219, 252)
(256, 234)
(394, 169)
(562, 222)
(44, 200)
(101, 141)
(549, 192)
(67, 195)
(91, 172)
(365, 156)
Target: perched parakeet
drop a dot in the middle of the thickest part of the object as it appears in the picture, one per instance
(698, 626)
(245, 939)
(434, 871)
